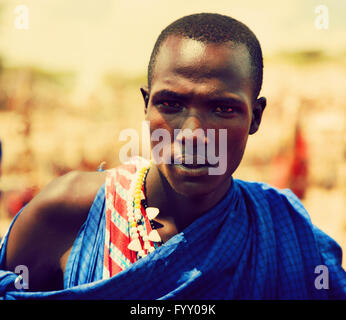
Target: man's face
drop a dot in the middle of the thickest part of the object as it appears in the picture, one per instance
(202, 86)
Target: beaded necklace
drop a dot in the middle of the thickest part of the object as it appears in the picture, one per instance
(140, 240)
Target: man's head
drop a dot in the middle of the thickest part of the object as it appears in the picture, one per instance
(205, 73)
(213, 28)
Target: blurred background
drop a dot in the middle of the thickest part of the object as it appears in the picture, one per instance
(70, 74)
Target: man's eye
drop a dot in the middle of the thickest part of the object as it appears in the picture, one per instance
(224, 109)
(170, 105)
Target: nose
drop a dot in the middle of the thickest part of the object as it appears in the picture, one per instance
(192, 122)
(195, 118)
(192, 128)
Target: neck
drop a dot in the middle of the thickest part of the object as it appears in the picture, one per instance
(178, 208)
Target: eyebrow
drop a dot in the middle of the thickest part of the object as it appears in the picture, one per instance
(212, 98)
(170, 94)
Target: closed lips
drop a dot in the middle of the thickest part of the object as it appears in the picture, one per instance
(192, 161)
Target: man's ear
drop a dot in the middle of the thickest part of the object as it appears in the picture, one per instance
(145, 94)
(257, 111)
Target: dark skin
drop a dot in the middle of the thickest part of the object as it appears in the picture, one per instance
(195, 85)
(198, 85)
(43, 234)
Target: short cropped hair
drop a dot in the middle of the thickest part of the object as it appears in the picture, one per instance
(214, 28)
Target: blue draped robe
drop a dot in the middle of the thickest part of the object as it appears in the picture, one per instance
(257, 243)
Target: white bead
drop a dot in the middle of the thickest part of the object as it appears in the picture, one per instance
(132, 219)
(145, 237)
(151, 249)
(154, 236)
(142, 233)
(147, 245)
(138, 216)
(135, 235)
(152, 212)
(135, 245)
(140, 228)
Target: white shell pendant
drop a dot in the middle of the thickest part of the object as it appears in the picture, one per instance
(135, 245)
(152, 212)
(154, 236)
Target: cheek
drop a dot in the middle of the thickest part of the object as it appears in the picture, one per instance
(161, 134)
(237, 138)
(236, 143)
(235, 150)
(156, 120)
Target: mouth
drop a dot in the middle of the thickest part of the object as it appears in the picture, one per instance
(190, 170)
(189, 165)
(193, 166)
(192, 161)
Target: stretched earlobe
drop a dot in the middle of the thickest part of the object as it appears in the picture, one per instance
(257, 113)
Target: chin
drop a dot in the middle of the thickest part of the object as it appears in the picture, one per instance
(191, 190)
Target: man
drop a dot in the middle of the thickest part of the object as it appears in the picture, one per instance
(172, 230)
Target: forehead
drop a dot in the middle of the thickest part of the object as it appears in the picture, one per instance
(225, 65)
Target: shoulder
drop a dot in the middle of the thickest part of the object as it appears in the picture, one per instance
(47, 226)
(286, 211)
(66, 198)
(74, 191)
(263, 194)
(263, 189)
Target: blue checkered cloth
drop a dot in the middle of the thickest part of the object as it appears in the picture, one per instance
(257, 243)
